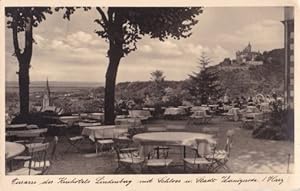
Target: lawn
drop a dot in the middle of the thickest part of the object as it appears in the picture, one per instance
(248, 155)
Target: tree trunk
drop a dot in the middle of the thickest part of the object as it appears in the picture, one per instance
(24, 64)
(110, 83)
(24, 88)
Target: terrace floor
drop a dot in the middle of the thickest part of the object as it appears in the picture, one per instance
(248, 155)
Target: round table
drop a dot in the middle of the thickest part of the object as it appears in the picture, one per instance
(172, 139)
(13, 149)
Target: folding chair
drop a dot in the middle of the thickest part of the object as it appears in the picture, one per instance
(221, 157)
(158, 158)
(197, 117)
(105, 140)
(127, 157)
(74, 140)
(199, 160)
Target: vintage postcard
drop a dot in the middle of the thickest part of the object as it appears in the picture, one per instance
(128, 95)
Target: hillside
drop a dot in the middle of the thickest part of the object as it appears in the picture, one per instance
(238, 81)
(256, 79)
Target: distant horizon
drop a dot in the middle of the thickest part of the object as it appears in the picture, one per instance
(59, 81)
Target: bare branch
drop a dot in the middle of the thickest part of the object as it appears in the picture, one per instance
(15, 39)
(104, 18)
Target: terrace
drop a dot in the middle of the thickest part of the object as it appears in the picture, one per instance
(247, 155)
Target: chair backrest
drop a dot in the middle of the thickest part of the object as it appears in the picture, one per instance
(38, 153)
(16, 126)
(229, 141)
(31, 133)
(202, 147)
(119, 144)
(27, 134)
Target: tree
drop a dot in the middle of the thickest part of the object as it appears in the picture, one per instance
(23, 20)
(204, 84)
(123, 27)
(157, 76)
(157, 89)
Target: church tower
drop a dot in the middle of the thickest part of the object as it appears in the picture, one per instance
(46, 98)
(249, 47)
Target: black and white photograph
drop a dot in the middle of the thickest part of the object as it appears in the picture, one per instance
(149, 90)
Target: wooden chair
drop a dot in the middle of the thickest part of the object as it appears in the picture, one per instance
(199, 160)
(35, 163)
(127, 157)
(221, 157)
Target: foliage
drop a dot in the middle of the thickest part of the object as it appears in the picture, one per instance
(123, 27)
(18, 16)
(68, 11)
(157, 76)
(279, 126)
(126, 26)
(205, 84)
(24, 19)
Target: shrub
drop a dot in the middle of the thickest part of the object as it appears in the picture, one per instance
(280, 125)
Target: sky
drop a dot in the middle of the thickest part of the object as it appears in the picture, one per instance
(71, 51)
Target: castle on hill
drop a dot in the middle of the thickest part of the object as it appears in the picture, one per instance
(248, 57)
(245, 58)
